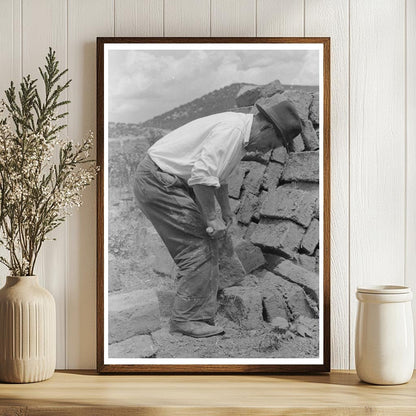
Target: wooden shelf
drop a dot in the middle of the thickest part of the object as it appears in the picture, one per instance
(87, 393)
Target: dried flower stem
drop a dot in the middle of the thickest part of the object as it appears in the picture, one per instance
(36, 194)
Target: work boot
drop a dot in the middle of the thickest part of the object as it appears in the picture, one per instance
(196, 329)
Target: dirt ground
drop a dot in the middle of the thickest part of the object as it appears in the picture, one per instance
(236, 343)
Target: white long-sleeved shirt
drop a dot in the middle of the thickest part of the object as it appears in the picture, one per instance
(204, 151)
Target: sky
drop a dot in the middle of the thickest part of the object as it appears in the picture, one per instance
(143, 84)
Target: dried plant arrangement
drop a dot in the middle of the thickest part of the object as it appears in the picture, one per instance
(42, 175)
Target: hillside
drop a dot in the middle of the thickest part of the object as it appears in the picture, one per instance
(216, 101)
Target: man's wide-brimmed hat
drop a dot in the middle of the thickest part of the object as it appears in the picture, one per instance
(285, 120)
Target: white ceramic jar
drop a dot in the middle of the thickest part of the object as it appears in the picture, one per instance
(384, 337)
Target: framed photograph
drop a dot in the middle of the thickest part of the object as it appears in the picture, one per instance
(213, 205)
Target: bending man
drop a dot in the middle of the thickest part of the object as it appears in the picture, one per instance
(176, 185)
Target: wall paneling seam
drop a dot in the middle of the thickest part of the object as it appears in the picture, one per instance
(405, 146)
(304, 17)
(349, 185)
(66, 222)
(210, 18)
(21, 40)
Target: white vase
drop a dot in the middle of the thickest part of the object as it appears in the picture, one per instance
(384, 337)
(27, 331)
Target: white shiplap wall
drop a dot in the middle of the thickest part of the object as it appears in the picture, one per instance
(373, 132)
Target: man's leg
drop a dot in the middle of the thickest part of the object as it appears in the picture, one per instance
(166, 201)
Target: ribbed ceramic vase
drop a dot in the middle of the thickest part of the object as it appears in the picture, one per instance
(27, 331)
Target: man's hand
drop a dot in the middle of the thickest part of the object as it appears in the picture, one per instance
(205, 195)
(228, 218)
(216, 228)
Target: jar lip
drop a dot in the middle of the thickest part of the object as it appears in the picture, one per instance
(384, 289)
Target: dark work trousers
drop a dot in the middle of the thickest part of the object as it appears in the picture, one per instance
(169, 203)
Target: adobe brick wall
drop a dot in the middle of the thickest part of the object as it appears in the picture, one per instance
(276, 201)
(276, 195)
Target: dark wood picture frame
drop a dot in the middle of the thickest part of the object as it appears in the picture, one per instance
(102, 367)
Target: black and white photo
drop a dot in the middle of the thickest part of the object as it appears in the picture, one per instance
(212, 249)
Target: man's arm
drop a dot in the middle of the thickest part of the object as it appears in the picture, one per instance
(206, 198)
(221, 194)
